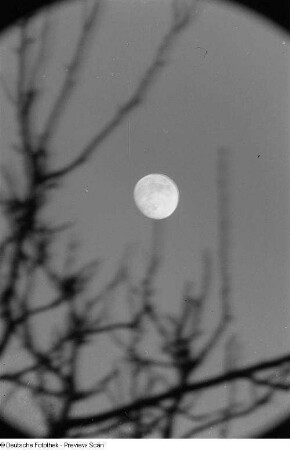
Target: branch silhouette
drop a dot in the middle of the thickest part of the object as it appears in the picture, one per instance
(181, 18)
(210, 383)
(140, 395)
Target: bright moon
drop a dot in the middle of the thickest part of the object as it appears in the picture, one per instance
(156, 196)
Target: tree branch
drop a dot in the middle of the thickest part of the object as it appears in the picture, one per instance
(154, 401)
(181, 19)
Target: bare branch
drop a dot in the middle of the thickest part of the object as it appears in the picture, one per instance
(182, 17)
(53, 121)
(224, 254)
(43, 51)
(219, 418)
(154, 401)
(230, 363)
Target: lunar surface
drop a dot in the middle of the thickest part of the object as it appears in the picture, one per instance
(156, 196)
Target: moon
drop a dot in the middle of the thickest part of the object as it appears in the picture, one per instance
(156, 196)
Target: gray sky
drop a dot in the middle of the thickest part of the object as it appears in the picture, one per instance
(236, 94)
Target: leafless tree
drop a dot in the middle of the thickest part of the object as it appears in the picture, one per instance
(140, 395)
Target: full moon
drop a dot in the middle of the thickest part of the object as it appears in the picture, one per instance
(156, 196)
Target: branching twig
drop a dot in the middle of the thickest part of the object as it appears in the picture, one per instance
(181, 19)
